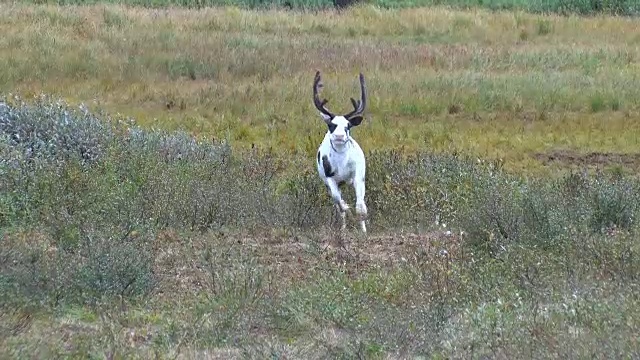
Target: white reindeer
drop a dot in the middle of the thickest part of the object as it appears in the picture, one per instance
(340, 159)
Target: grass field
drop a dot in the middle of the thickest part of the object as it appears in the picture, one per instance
(581, 7)
(493, 85)
(122, 237)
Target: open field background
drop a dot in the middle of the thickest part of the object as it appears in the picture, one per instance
(583, 7)
(503, 85)
(121, 241)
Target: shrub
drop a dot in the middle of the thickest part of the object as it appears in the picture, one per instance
(99, 266)
(139, 179)
(118, 227)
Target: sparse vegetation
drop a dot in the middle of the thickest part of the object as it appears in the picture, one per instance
(125, 236)
(133, 242)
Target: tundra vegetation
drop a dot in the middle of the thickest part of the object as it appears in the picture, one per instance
(159, 195)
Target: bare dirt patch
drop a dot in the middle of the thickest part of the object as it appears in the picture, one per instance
(296, 258)
(291, 258)
(597, 159)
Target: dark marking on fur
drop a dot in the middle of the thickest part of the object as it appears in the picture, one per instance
(318, 157)
(326, 165)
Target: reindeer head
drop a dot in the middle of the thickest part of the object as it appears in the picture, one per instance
(339, 125)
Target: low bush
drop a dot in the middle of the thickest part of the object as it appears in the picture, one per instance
(67, 169)
(148, 215)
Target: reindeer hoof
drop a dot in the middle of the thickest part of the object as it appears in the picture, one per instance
(361, 210)
(343, 206)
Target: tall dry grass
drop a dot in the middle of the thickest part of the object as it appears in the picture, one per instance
(504, 85)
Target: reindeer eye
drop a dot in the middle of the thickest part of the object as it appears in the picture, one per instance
(332, 127)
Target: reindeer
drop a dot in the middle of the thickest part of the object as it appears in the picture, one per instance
(340, 159)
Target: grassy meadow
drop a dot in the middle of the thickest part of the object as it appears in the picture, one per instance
(582, 7)
(493, 85)
(158, 197)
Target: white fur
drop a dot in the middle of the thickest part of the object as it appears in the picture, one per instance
(347, 161)
(340, 159)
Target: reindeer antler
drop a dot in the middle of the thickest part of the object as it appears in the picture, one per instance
(320, 104)
(359, 105)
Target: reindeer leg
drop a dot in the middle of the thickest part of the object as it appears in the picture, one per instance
(339, 203)
(361, 207)
(336, 196)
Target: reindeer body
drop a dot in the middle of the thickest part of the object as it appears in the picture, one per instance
(340, 160)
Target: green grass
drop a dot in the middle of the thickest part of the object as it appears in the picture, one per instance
(506, 85)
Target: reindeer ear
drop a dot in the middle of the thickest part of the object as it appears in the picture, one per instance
(356, 120)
